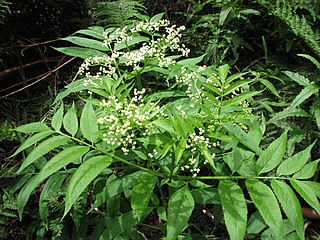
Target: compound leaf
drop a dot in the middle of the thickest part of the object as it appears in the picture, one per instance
(53, 165)
(295, 162)
(234, 207)
(180, 207)
(307, 193)
(70, 121)
(56, 121)
(84, 175)
(42, 149)
(32, 140)
(141, 192)
(33, 127)
(307, 171)
(88, 123)
(267, 204)
(290, 205)
(272, 156)
(48, 192)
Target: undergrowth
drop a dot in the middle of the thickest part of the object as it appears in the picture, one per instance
(157, 145)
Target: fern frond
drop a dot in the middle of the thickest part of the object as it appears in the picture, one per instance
(299, 25)
(4, 10)
(117, 13)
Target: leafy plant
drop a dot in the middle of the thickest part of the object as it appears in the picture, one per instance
(116, 13)
(216, 31)
(158, 135)
(300, 26)
(4, 10)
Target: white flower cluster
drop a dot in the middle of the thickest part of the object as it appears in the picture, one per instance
(121, 121)
(192, 143)
(153, 154)
(155, 48)
(192, 167)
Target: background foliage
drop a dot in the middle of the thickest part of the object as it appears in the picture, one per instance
(267, 49)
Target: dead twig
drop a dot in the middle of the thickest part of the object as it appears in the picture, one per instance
(40, 79)
(10, 71)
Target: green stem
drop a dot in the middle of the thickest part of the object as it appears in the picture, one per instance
(116, 157)
(231, 177)
(160, 175)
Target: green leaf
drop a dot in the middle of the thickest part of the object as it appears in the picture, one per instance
(75, 86)
(86, 42)
(240, 98)
(161, 211)
(315, 186)
(234, 208)
(206, 196)
(270, 86)
(33, 127)
(191, 61)
(164, 124)
(32, 140)
(48, 192)
(207, 154)
(315, 110)
(157, 17)
(84, 175)
(288, 232)
(223, 72)
(295, 162)
(180, 207)
(235, 76)
(141, 193)
(70, 121)
(307, 193)
(213, 88)
(183, 123)
(267, 204)
(118, 185)
(56, 121)
(53, 165)
(234, 86)
(95, 32)
(242, 137)
(272, 156)
(80, 52)
(177, 127)
(255, 225)
(312, 59)
(133, 41)
(224, 13)
(180, 150)
(121, 225)
(288, 112)
(290, 205)
(307, 92)
(303, 81)
(88, 123)
(308, 170)
(42, 149)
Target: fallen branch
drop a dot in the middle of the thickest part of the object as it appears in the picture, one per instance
(310, 213)
(11, 71)
(40, 79)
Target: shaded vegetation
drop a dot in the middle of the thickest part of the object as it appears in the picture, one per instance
(154, 141)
